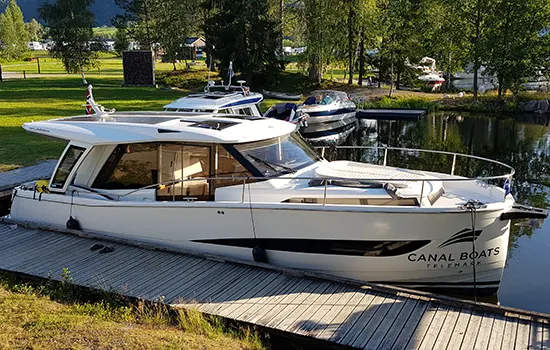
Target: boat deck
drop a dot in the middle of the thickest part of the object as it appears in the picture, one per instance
(333, 312)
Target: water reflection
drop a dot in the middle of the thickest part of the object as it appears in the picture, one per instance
(520, 141)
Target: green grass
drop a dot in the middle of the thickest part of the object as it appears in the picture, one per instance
(108, 64)
(104, 31)
(39, 99)
(53, 315)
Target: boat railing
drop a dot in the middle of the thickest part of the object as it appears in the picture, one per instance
(455, 156)
(247, 180)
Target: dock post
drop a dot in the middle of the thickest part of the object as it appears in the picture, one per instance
(1, 73)
(38, 63)
(24, 75)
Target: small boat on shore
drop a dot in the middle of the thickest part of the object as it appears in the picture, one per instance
(328, 106)
(251, 188)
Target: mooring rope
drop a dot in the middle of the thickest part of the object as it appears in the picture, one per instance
(251, 213)
(472, 207)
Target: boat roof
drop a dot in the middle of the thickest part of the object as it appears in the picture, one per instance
(137, 127)
(219, 99)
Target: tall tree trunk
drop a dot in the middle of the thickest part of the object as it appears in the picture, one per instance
(500, 85)
(475, 81)
(282, 19)
(361, 60)
(351, 18)
(477, 62)
(398, 81)
(315, 70)
(174, 65)
(390, 95)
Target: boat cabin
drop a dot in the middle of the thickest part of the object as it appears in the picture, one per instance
(219, 99)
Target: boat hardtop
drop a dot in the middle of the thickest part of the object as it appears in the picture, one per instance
(219, 99)
(133, 127)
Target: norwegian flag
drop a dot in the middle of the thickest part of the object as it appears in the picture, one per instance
(89, 101)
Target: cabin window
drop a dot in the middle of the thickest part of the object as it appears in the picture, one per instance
(244, 111)
(71, 157)
(183, 172)
(129, 167)
(229, 168)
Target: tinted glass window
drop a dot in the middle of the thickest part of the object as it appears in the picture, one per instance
(229, 168)
(280, 155)
(130, 166)
(70, 158)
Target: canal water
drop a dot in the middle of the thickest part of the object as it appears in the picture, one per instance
(520, 141)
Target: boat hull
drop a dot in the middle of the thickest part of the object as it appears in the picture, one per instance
(234, 229)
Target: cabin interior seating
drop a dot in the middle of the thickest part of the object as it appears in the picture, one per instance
(180, 170)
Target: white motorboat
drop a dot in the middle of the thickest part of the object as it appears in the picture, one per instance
(250, 188)
(328, 106)
(228, 99)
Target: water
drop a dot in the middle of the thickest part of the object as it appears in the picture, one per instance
(520, 141)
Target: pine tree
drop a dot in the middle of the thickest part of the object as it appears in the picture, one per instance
(34, 29)
(13, 35)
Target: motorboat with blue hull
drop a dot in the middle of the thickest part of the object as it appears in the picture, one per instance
(252, 189)
(324, 106)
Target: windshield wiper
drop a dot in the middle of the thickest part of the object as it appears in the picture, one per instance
(271, 165)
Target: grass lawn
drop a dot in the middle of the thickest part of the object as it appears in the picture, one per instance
(38, 99)
(59, 316)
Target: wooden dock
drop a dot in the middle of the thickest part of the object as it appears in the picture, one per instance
(391, 113)
(335, 312)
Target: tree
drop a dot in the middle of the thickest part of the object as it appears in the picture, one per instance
(323, 21)
(514, 38)
(71, 23)
(160, 25)
(241, 31)
(34, 29)
(13, 35)
(360, 23)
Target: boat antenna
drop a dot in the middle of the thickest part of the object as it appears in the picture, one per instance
(209, 69)
(230, 73)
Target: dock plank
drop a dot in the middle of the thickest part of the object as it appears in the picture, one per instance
(485, 330)
(435, 327)
(399, 323)
(497, 333)
(384, 324)
(522, 336)
(510, 332)
(412, 322)
(472, 331)
(535, 334)
(374, 313)
(423, 325)
(460, 328)
(546, 335)
(444, 335)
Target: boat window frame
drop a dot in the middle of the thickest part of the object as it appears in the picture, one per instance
(231, 148)
(70, 177)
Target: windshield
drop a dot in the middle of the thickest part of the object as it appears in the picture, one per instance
(280, 155)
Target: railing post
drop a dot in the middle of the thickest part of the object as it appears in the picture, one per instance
(244, 186)
(454, 163)
(421, 193)
(325, 195)
(385, 155)
(323, 152)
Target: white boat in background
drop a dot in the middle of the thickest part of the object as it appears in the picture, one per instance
(226, 99)
(328, 106)
(250, 188)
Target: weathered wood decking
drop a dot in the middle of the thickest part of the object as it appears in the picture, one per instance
(13, 178)
(369, 317)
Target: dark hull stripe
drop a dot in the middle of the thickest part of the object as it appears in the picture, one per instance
(330, 112)
(324, 246)
(461, 284)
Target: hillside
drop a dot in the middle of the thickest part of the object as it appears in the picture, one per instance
(104, 10)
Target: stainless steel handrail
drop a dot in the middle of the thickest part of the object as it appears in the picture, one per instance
(507, 176)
